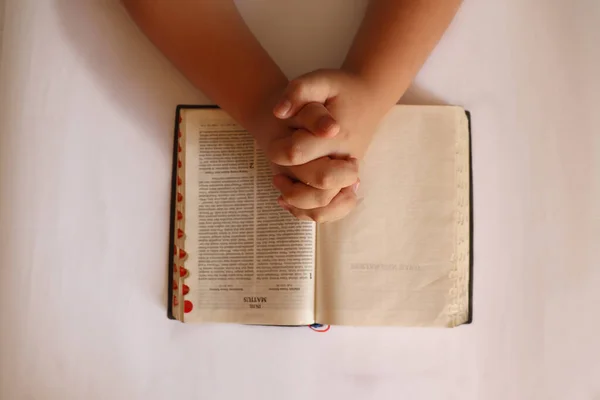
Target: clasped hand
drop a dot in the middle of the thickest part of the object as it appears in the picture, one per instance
(331, 117)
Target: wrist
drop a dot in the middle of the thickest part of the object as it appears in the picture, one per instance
(262, 123)
(257, 116)
(384, 90)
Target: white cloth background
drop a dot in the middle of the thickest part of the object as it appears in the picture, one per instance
(86, 117)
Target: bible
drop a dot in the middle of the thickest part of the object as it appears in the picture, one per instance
(402, 257)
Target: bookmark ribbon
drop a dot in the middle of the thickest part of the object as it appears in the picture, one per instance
(320, 328)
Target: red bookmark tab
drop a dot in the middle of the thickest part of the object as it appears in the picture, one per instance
(179, 197)
(179, 164)
(175, 287)
(185, 289)
(182, 272)
(182, 253)
(179, 181)
(179, 216)
(187, 306)
(179, 233)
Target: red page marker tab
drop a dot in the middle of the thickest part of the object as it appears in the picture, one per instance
(185, 289)
(179, 164)
(179, 197)
(182, 253)
(187, 306)
(179, 134)
(182, 272)
(175, 301)
(179, 181)
(179, 216)
(175, 287)
(179, 233)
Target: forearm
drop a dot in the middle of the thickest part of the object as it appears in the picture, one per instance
(211, 45)
(394, 40)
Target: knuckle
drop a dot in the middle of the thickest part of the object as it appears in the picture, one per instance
(325, 179)
(293, 154)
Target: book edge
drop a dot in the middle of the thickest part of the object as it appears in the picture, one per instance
(173, 205)
(471, 222)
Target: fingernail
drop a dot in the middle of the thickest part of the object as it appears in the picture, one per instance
(356, 186)
(282, 108)
(327, 125)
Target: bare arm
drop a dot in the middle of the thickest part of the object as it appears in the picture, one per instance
(394, 40)
(211, 45)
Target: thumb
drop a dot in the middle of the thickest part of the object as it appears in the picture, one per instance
(314, 87)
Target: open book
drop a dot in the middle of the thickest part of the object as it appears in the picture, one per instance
(402, 257)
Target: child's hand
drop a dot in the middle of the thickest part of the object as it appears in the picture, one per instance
(327, 176)
(350, 100)
(355, 109)
(326, 199)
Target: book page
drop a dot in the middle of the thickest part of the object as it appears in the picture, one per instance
(249, 261)
(402, 256)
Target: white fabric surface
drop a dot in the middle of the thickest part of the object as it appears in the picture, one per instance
(86, 116)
